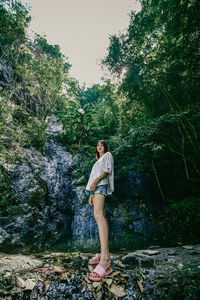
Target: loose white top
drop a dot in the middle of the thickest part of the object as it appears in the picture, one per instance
(104, 164)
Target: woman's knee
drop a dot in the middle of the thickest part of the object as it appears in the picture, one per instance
(98, 215)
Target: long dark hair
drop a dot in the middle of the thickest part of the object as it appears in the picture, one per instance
(106, 148)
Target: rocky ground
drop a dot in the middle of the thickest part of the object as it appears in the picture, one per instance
(154, 273)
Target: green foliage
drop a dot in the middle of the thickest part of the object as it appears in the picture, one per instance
(50, 50)
(159, 53)
(185, 211)
(90, 95)
(126, 213)
(44, 78)
(76, 123)
(157, 62)
(10, 147)
(7, 195)
(23, 131)
(36, 135)
(14, 19)
(33, 85)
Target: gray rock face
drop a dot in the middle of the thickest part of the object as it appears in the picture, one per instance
(84, 228)
(3, 235)
(43, 185)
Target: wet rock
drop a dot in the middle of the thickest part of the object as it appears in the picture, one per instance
(153, 247)
(67, 275)
(137, 260)
(44, 195)
(150, 252)
(130, 259)
(17, 262)
(172, 252)
(195, 252)
(188, 247)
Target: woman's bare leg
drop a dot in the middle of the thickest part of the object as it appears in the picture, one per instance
(102, 224)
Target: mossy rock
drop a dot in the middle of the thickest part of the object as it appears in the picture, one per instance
(37, 198)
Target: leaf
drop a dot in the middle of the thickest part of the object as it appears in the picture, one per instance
(90, 289)
(120, 264)
(115, 273)
(58, 269)
(63, 276)
(98, 288)
(124, 275)
(139, 282)
(45, 269)
(29, 284)
(20, 282)
(84, 287)
(96, 283)
(117, 290)
(90, 268)
(46, 285)
(109, 281)
(99, 295)
(86, 279)
(143, 276)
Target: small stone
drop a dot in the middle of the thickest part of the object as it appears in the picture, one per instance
(84, 257)
(161, 275)
(180, 266)
(171, 260)
(151, 252)
(179, 244)
(7, 270)
(187, 247)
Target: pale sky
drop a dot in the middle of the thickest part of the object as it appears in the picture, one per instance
(81, 28)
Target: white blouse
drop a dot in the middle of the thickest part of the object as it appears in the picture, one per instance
(104, 164)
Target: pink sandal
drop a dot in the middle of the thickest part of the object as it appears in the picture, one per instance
(96, 259)
(100, 271)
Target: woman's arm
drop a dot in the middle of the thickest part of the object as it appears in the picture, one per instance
(94, 184)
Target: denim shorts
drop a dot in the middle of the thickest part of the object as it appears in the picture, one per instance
(100, 189)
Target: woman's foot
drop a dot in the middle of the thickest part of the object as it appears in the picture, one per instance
(96, 259)
(105, 262)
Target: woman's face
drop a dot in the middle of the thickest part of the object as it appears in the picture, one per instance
(100, 148)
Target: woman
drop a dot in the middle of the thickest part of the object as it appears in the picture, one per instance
(101, 184)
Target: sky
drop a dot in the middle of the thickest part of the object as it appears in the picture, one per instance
(81, 28)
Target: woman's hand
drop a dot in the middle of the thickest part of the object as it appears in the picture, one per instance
(90, 200)
(94, 185)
